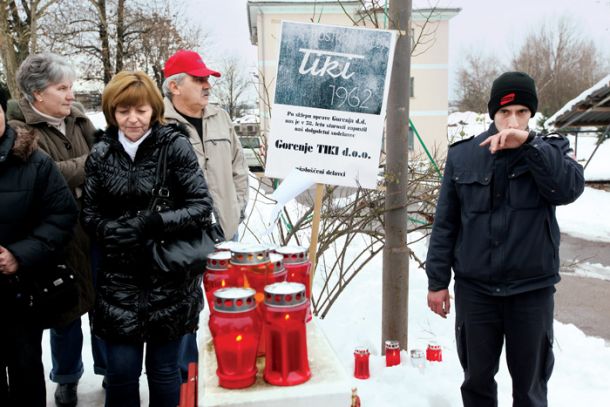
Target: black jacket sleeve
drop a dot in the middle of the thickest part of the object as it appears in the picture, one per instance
(444, 233)
(560, 179)
(189, 186)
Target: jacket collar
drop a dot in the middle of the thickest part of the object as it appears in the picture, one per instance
(23, 111)
(172, 113)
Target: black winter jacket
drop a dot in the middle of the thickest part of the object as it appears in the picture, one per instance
(495, 221)
(135, 300)
(37, 210)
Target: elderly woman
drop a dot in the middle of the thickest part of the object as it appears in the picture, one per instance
(37, 216)
(137, 302)
(48, 110)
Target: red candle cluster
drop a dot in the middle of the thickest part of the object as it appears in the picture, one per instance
(255, 311)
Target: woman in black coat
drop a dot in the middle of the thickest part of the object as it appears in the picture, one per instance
(37, 216)
(137, 302)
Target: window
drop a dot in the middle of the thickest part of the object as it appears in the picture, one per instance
(250, 142)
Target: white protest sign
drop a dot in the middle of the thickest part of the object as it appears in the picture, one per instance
(330, 100)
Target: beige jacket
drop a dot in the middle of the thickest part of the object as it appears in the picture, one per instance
(222, 159)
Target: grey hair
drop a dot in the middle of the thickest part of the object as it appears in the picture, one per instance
(178, 78)
(38, 71)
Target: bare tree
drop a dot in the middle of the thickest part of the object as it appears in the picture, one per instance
(561, 60)
(231, 88)
(349, 216)
(474, 79)
(19, 30)
(161, 39)
(111, 35)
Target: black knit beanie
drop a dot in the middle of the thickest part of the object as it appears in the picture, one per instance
(513, 88)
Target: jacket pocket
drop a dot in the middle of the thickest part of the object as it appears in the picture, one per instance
(522, 189)
(474, 191)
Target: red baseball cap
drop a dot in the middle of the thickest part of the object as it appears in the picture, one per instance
(188, 62)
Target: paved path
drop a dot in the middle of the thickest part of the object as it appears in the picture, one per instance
(584, 301)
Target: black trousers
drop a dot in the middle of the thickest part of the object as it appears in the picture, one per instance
(483, 322)
(21, 358)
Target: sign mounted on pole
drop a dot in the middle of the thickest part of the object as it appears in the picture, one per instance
(329, 106)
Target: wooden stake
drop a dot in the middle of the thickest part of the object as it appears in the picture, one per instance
(315, 228)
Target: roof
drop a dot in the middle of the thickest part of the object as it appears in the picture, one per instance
(256, 7)
(590, 108)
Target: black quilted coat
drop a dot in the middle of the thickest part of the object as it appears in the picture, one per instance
(37, 211)
(136, 301)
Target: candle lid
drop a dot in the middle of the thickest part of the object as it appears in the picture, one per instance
(278, 262)
(285, 294)
(293, 254)
(361, 350)
(434, 346)
(249, 255)
(218, 260)
(390, 344)
(234, 299)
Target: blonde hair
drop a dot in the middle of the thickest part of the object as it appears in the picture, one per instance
(132, 88)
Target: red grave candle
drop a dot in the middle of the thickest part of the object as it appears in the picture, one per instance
(235, 327)
(286, 361)
(361, 363)
(392, 353)
(217, 275)
(434, 352)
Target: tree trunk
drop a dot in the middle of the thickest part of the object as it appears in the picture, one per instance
(103, 32)
(8, 52)
(394, 323)
(120, 36)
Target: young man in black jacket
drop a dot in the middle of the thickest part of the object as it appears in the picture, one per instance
(495, 226)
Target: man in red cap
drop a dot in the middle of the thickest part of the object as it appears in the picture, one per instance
(495, 226)
(219, 152)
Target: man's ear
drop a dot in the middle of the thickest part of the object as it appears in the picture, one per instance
(173, 87)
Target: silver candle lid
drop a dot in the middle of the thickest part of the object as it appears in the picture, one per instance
(218, 261)
(277, 260)
(293, 254)
(285, 294)
(249, 255)
(392, 344)
(234, 299)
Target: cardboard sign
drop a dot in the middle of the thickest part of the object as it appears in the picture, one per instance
(330, 99)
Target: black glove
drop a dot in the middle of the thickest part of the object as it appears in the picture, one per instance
(106, 230)
(134, 231)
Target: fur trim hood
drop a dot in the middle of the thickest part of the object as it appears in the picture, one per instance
(21, 143)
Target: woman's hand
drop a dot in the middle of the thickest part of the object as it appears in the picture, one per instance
(137, 229)
(8, 263)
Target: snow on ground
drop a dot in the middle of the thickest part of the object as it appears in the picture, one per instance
(587, 218)
(582, 364)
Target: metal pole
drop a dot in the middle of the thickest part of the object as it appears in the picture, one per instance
(396, 254)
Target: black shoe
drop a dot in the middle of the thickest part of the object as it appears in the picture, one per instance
(65, 395)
